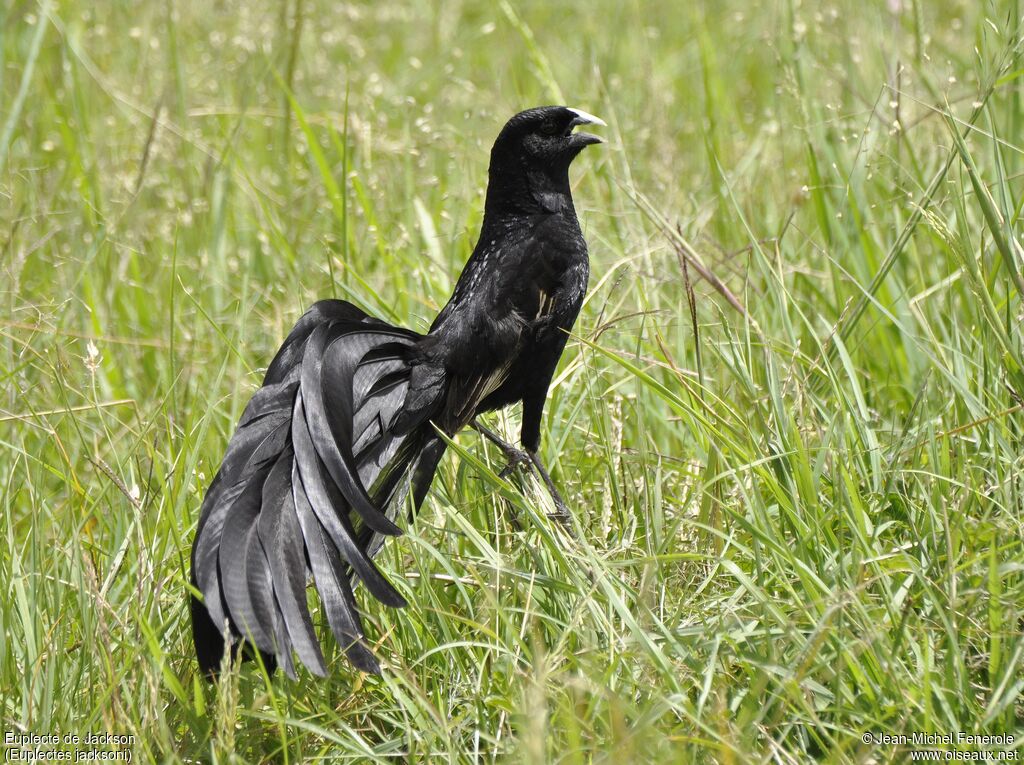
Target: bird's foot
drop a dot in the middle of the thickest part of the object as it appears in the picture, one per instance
(516, 458)
(519, 459)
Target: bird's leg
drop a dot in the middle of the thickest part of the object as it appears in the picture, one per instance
(521, 457)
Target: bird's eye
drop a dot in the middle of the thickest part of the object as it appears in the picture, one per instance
(548, 128)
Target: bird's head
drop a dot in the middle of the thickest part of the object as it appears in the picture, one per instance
(544, 136)
(535, 149)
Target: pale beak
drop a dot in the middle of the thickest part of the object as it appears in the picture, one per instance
(585, 118)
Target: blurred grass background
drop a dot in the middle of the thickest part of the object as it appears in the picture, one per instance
(798, 480)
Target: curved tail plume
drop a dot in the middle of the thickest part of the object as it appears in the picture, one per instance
(309, 487)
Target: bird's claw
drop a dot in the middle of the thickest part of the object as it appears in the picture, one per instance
(561, 514)
(517, 458)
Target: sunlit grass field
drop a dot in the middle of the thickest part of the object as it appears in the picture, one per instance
(789, 422)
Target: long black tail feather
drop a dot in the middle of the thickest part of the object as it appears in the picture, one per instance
(310, 487)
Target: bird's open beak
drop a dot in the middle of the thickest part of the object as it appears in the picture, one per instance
(584, 118)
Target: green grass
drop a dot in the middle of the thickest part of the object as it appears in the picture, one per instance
(798, 483)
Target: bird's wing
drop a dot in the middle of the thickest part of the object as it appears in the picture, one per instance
(310, 485)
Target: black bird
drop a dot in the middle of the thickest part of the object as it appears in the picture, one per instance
(346, 423)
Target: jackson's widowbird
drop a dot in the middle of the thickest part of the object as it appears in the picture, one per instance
(346, 422)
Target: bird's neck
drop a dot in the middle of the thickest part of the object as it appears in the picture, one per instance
(519, 192)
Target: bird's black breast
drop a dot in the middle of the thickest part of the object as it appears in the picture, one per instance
(506, 323)
(526, 270)
(539, 287)
(544, 338)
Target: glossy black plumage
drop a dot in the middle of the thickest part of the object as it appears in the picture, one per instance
(344, 426)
